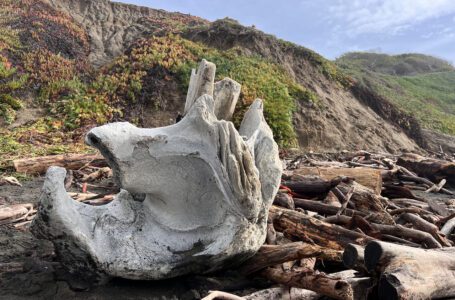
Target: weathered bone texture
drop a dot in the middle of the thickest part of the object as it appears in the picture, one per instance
(201, 83)
(226, 94)
(194, 198)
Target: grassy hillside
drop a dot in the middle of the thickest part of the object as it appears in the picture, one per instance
(44, 64)
(428, 94)
(401, 65)
(126, 81)
(47, 63)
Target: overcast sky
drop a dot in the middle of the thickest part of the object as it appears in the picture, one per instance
(333, 27)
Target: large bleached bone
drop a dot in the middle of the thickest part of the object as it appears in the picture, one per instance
(194, 198)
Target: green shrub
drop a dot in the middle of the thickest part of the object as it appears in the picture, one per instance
(10, 82)
(429, 96)
(122, 81)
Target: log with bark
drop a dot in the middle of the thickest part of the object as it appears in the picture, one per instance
(39, 165)
(370, 178)
(411, 273)
(309, 279)
(284, 200)
(363, 199)
(361, 285)
(269, 255)
(399, 231)
(304, 227)
(324, 209)
(311, 185)
(434, 169)
(426, 226)
(353, 257)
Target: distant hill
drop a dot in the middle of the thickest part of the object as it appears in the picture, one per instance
(422, 85)
(401, 65)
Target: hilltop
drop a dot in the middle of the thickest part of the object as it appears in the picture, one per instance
(401, 65)
(69, 65)
(421, 85)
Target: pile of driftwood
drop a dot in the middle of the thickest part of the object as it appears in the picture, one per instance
(344, 226)
(388, 219)
(84, 173)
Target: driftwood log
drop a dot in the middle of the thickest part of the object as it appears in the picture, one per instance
(17, 212)
(425, 226)
(269, 255)
(435, 169)
(284, 200)
(448, 226)
(411, 273)
(320, 283)
(397, 230)
(311, 185)
(324, 209)
(98, 174)
(39, 165)
(360, 284)
(304, 227)
(353, 257)
(283, 293)
(370, 178)
(365, 200)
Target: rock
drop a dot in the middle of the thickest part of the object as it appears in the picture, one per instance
(194, 198)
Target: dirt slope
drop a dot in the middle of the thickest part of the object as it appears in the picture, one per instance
(343, 121)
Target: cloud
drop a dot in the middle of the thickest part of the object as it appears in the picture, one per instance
(391, 16)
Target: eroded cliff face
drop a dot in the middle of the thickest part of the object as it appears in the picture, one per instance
(341, 119)
(113, 27)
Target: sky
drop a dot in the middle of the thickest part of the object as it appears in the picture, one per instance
(333, 27)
